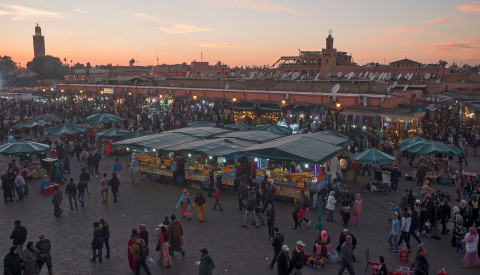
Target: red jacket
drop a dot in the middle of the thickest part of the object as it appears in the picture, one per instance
(217, 195)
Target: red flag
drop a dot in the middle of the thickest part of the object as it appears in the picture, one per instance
(223, 93)
(425, 100)
(321, 98)
(435, 99)
(269, 97)
(356, 101)
(294, 100)
(411, 104)
(186, 93)
(204, 94)
(245, 94)
(418, 103)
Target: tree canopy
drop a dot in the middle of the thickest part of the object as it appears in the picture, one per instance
(47, 67)
(6, 64)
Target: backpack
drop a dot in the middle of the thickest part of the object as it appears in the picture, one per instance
(144, 250)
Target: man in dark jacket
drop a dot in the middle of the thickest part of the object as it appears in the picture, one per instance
(421, 264)
(347, 256)
(71, 192)
(395, 177)
(250, 210)
(97, 242)
(298, 258)
(270, 213)
(85, 177)
(284, 264)
(206, 265)
(343, 238)
(19, 236)
(277, 243)
(114, 183)
(44, 246)
(421, 173)
(106, 235)
(446, 215)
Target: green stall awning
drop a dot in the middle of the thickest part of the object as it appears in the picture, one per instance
(157, 141)
(211, 147)
(200, 132)
(64, 129)
(254, 136)
(331, 139)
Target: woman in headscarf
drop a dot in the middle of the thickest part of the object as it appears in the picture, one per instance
(45, 183)
(322, 244)
(164, 256)
(184, 205)
(458, 229)
(30, 255)
(11, 262)
(463, 207)
(357, 208)
(131, 261)
(471, 247)
(58, 174)
(199, 203)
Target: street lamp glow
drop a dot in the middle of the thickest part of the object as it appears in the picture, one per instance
(234, 99)
(338, 105)
(194, 97)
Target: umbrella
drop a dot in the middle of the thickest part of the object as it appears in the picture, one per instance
(112, 133)
(372, 156)
(94, 120)
(407, 142)
(23, 148)
(276, 129)
(427, 147)
(201, 123)
(240, 127)
(47, 118)
(67, 129)
(30, 124)
(319, 225)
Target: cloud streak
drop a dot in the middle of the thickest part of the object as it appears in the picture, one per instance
(183, 28)
(469, 48)
(441, 20)
(257, 5)
(27, 13)
(218, 45)
(147, 17)
(398, 35)
(78, 10)
(472, 8)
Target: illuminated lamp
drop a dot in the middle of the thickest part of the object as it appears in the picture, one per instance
(234, 99)
(338, 105)
(194, 97)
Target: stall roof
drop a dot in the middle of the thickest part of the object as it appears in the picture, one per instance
(328, 138)
(200, 132)
(297, 148)
(211, 147)
(244, 106)
(255, 136)
(158, 141)
(269, 107)
(276, 129)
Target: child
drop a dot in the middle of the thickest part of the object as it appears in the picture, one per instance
(426, 228)
(217, 199)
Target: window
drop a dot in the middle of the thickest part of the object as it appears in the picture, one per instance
(320, 61)
(304, 72)
(305, 61)
(313, 61)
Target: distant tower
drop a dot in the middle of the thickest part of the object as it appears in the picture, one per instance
(38, 42)
(329, 41)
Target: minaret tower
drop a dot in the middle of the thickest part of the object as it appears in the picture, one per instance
(38, 42)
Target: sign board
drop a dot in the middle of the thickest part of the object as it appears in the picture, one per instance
(108, 90)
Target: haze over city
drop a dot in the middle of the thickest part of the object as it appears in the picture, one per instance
(241, 32)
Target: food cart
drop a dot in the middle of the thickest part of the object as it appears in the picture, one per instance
(161, 167)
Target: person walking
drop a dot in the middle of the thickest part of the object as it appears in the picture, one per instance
(250, 210)
(277, 243)
(44, 247)
(284, 264)
(357, 208)
(85, 178)
(471, 246)
(97, 242)
(394, 234)
(71, 192)
(7, 193)
(114, 183)
(304, 203)
(117, 167)
(131, 261)
(405, 229)
(175, 233)
(106, 236)
(19, 185)
(137, 256)
(395, 177)
(184, 205)
(56, 201)
(105, 186)
(298, 258)
(12, 262)
(143, 233)
(163, 240)
(19, 236)
(206, 265)
(421, 263)
(217, 199)
(90, 163)
(331, 201)
(458, 229)
(346, 206)
(199, 202)
(347, 257)
(96, 161)
(30, 259)
(81, 187)
(242, 195)
(421, 173)
(24, 174)
(355, 167)
(270, 213)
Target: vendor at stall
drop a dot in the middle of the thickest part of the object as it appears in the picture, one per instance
(426, 189)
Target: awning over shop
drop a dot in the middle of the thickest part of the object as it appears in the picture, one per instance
(384, 113)
(200, 132)
(297, 148)
(211, 147)
(330, 139)
(432, 108)
(254, 136)
(269, 107)
(244, 106)
(157, 141)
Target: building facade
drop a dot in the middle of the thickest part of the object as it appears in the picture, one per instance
(38, 43)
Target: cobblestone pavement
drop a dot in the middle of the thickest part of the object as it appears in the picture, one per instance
(236, 250)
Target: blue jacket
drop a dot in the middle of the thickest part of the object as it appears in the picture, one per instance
(395, 226)
(117, 166)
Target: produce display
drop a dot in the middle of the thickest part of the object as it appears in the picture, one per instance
(157, 162)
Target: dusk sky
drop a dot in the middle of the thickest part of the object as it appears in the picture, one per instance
(241, 32)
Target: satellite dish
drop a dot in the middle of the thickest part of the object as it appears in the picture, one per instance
(381, 76)
(350, 76)
(227, 86)
(427, 76)
(389, 76)
(335, 88)
(328, 75)
(434, 75)
(360, 75)
(394, 84)
(462, 81)
(399, 76)
(389, 88)
(405, 88)
(339, 74)
(317, 76)
(187, 74)
(365, 75)
(295, 75)
(410, 76)
(303, 76)
(406, 76)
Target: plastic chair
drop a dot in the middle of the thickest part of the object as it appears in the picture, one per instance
(370, 261)
(404, 256)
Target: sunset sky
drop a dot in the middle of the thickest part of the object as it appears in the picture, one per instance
(241, 32)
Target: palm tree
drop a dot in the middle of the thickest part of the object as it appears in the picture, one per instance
(131, 62)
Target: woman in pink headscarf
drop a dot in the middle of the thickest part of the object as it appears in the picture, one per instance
(322, 244)
(471, 246)
(357, 208)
